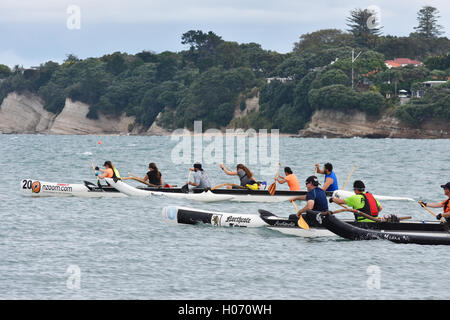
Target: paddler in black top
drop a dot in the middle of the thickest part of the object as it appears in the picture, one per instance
(153, 176)
(444, 204)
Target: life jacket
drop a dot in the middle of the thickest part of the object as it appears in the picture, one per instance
(116, 175)
(447, 205)
(370, 206)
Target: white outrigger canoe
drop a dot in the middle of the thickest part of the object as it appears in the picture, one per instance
(182, 215)
(233, 195)
(38, 188)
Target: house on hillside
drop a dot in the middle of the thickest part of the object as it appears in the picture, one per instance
(282, 80)
(402, 62)
(420, 92)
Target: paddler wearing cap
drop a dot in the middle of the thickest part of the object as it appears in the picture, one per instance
(362, 201)
(201, 179)
(444, 204)
(109, 172)
(316, 198)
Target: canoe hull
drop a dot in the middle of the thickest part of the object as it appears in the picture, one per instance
(351, 232)
(38, 188)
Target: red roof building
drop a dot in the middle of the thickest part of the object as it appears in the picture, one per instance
(402, 62)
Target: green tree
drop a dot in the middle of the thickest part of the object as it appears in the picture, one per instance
(365, 32)
(5, 71)
(323, 39)
(428, 26)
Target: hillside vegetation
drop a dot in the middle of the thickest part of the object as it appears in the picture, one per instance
(212, 78)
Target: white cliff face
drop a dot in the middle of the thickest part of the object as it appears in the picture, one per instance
(72, 120)
(155, 129)
(357, 124)
(24, 113)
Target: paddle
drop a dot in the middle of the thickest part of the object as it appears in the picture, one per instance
(98, 180)
(301, 222)
(185, 188)
(434, 214)
(228, 184)
(354, 167)
(365, 215)
(273, 186)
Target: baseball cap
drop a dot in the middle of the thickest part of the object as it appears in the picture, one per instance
(313, 179)
(198, 166)
(358, 184)
(446, 186)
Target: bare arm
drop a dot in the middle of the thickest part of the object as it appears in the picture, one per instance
(228, 171)
(281, 179)
(309, 206)
(319, 170)
(298, 198)
(435, 205)
(328, 182)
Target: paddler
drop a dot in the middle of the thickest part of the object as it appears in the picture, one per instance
(362, 201)
(153, 176)
(444, 204)
(245, 175)
(316, 198)
(290, 178)
(330, 183)
(109, 172)
(201, 179)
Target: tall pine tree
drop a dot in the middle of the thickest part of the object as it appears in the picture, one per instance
(363, 27)
(428, 26)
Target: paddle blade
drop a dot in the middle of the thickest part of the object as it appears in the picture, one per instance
(272, 189)
(302, 223)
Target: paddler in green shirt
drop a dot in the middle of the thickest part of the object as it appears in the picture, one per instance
(361, 201)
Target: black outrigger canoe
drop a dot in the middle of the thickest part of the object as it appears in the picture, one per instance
(288, 225)
(430, 233)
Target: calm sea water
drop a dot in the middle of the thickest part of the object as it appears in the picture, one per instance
(125, 250)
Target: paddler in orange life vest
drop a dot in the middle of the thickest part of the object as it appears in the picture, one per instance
(109, 172)
(444, 204)
(361, 201)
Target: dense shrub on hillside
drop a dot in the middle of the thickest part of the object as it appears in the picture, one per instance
(341, 98)
(435, 104)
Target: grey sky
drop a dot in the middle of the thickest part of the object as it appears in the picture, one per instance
(33, 32)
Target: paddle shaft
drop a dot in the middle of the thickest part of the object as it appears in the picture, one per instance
(434, 214)
(228, 184)
(140, 180)
(351, 173)
(365, 215)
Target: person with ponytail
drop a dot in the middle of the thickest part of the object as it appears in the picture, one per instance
(109, 172)
(245, 175)
(153, 176)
